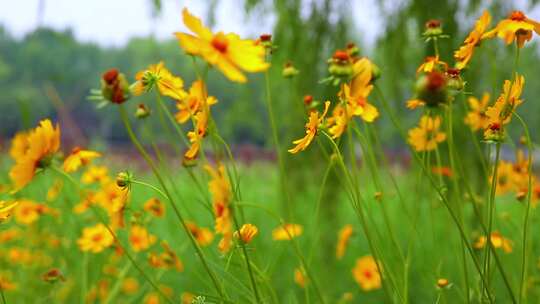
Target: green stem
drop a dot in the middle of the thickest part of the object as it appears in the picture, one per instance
(119, 280)
(491, 210)
(156, 172)
(171, 119)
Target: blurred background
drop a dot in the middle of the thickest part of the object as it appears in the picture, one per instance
(52, 52)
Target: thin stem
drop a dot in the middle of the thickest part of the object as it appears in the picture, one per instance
(156, 172)
(491, 209)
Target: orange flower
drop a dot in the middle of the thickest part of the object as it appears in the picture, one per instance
(196, 101)
(431, 63)
(220, 189)
(465, 52)
(27, 212)
(497, 241)
(246, 233)
(203, 236)
(230, 54)
(6, 284)
(95, 239)
(312, 127)
(95, 174)
(517, 27)
(140, 239)
(300, 277)
(366, 273)
(287, 232)
(500, 113)
(426, 136)
(476, 119)
(167, 259)
(343, 240)
(158, 76)
(33, 151)
(78, 158)
(415, 103)
(154, 207)
(195, 137)
(130, 286)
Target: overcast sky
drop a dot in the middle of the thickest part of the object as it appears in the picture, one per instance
(113, 22)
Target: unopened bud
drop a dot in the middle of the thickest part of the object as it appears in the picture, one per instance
(142, 111)
(123, 179)
(289, 70)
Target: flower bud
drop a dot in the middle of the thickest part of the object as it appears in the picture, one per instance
(53, 275)
(123, 179)
(375, 72)
(352, 49)
(433, 28)
(454, 80)
(442, 283)
(289, 70)
(114, 86)
(431, 88)
(142, 111)
(266, 41)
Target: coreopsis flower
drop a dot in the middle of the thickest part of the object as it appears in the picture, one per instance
(500, 113)
(312, 126)
(431, 89)
(464, 54)
(497, 241)
(300, 277)
(433, 29)
(10, 234)
(344, 236)
(111, 198)
(427, 135)
(140, 239)
(228, 52)
(287, 232)
(337, 122)
(246, 233)
(220, 189)
(152, 298)
(157, 75)
(130, 286)
(195, 101)
(27, 212)
(366, 273)
(6, 209)
(357, 103)
(33, 151)
(154, 207)
(78, 158)
(95, 239)
(203, 236)
(166, 260)
(476, 118)
(6, 283)
(516, 27)
(95, 174)
(196, 136)
(432, 63)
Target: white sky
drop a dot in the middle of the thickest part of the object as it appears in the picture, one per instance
(113, 22)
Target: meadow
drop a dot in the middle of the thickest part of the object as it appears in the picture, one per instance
(184, 216)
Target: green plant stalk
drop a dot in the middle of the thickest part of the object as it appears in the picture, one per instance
(363, 220)
(491, 209)
(115, 237)
(3, 296)
(526, 221)
(165, 110)
(179, 216)
(275, 136)
(84, 279)
(116, 288)
(443, 198)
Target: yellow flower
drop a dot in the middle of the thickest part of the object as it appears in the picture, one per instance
(516, 27)
(203, 236)
(154, 207)
(6, 284)
(426, 136)
(431, 63)
(343, 240)
(300, 277)
(54, 190)
(95, 174)
(6, 208)
(95, 239)
(501, 111)
(230, 54)
(337, 123)
(497, 240)
(196, 136)
(140, 239)
(287, 232)
(220, 189)
(415, 103)
(152, 298)
(366, 273)
(27, 212)
(78, 158)
(464, 54)
(476, 119)
(33, 152)
(111, 198)
(311, 129)
(196, 101)
(360, 87)
(130, 286)
(246, 233)
(158, 76)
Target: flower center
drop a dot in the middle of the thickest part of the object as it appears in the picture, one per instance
(220, 43)
(517, 16)
(368, 274)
